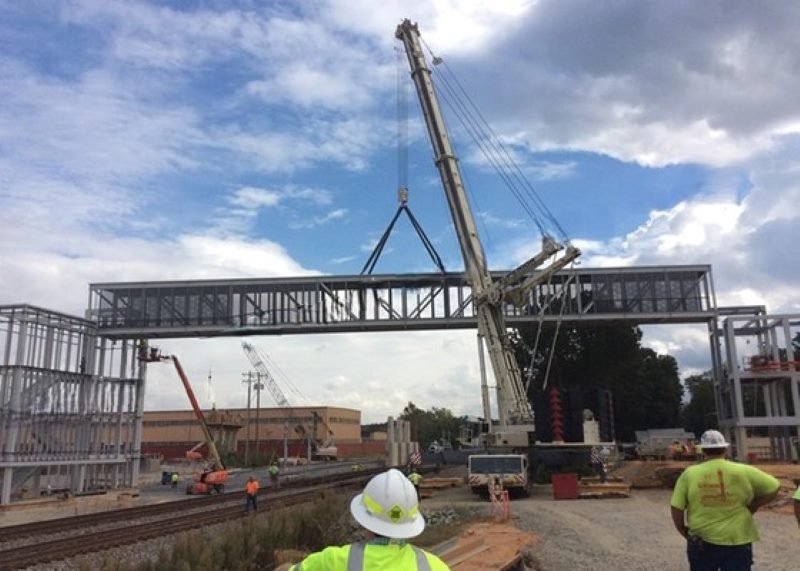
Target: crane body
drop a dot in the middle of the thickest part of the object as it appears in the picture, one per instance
(325, 450)
(515, 415)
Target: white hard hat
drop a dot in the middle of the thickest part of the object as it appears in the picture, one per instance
(389, 507)
(713, 439)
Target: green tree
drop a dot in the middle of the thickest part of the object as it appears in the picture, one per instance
(700, 413)
(430, 425)
(645, 386)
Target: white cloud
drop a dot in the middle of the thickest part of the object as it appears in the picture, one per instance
(337, 214)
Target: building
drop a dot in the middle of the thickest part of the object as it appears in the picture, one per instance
(172, 433)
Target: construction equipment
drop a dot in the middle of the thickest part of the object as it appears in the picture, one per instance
(515, 428)
(322, 450)
(507, 471)
(213, 476)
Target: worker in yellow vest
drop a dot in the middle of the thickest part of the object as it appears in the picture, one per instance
(388, 510)
(415, 479)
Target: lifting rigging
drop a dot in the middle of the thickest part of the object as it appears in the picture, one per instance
(514, 411)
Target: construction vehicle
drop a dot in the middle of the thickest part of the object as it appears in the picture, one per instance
(507, 471)
(213, 477)
(319, 450)
(515, 428)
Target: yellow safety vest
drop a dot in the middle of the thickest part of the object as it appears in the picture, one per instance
(382, 554)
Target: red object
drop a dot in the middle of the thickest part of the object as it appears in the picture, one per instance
(565, 486)
(556, 423)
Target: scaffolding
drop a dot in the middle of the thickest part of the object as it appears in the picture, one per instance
(756, 360)
(71, 405)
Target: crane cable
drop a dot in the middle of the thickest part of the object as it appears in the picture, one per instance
(477, 126)
(558, 327)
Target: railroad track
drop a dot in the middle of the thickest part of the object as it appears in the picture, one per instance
(170, 521)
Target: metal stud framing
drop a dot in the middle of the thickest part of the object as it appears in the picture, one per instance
(69, 401)
(757, 379)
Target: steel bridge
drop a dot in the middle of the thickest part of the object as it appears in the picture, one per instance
(400, 302)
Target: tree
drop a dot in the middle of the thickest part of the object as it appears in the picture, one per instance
(645, 386)
(700, 413)
(435, 424)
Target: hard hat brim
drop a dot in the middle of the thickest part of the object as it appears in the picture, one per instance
(405, 530)
(704, 446)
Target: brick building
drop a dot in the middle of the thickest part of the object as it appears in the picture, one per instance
(173, 432)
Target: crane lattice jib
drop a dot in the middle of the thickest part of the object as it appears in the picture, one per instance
(513, 406)
(255, 358)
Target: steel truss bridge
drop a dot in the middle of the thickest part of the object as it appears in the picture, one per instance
(402, 302)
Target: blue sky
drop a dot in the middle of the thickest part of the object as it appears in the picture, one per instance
(145, 141)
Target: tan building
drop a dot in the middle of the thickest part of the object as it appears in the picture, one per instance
(173, 432)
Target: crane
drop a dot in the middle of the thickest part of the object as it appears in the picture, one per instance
(214, 478)
(515, 416)
(327, 449)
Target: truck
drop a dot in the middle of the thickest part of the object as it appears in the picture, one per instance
(509, 471)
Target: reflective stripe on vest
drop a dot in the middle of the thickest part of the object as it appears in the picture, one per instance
(355, 558)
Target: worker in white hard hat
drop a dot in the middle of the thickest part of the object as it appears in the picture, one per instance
(388, 510)
(713, 505)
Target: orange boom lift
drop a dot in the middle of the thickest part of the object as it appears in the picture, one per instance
(214, 477)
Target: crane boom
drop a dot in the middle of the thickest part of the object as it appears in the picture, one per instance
(514, 410)
(258, 363)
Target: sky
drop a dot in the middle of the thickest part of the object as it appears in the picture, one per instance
(209, 139)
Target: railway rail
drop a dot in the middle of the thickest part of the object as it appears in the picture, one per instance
(84, 538)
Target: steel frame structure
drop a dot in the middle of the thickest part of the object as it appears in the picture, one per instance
(757, 379)
(71, 404)
(327, 304)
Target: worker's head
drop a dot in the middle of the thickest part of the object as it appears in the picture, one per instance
(713, 443)
(388, 506)
(251, 479)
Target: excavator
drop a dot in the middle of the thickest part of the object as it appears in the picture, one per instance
(211, 479)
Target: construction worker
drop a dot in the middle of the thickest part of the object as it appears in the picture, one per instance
(388, 511)
(720, 497)
(175, 478)
(274, 471)
(415, 479)
(598, 461)
(797, 503)
(251, 491)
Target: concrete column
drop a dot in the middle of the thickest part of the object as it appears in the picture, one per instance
(741, 443)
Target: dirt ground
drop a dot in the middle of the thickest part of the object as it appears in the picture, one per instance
(634, 533)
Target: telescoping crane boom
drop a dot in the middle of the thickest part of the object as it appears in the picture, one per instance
(515, 415)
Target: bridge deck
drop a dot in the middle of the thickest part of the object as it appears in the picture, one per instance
(324, 304)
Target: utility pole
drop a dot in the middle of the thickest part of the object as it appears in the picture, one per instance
(248, 380)
(259, 386)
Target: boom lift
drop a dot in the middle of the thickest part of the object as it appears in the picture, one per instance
(325, 450)
(214, 477)
(515, 416)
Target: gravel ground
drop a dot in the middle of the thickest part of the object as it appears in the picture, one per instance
(633, 533)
